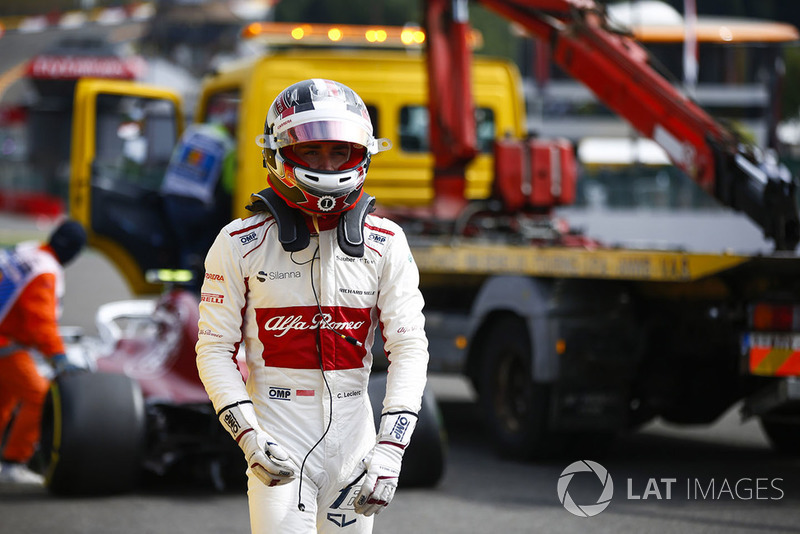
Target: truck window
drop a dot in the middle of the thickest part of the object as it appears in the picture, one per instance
(223, 108)
(414, 128)
(134, 140)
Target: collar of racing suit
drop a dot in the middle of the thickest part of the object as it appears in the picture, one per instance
(295, 227)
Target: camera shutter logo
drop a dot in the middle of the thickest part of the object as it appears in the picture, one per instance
(585, 510)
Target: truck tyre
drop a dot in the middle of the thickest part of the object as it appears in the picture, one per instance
(514, 408)
(423, 462)
(93, 430)
(783, 435)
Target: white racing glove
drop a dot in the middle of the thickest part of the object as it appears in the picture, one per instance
(268, 461)
(384, 461)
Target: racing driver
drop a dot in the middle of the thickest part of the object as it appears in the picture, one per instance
(304, 283)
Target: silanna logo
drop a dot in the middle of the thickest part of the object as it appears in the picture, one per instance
(277, 275)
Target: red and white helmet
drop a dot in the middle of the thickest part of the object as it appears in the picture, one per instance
(318, 110)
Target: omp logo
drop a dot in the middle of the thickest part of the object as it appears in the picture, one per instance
(248, 238)
(232, 423)
(400, 427)
(585, 510)
(377, 238)
(280, 393)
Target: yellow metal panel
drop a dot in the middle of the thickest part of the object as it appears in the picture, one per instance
(572, 263)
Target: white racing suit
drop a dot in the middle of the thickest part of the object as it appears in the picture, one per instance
(257, 293)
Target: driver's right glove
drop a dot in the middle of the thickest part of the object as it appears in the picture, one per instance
(267, 460)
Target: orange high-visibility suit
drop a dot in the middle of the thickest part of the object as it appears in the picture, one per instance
(28, 319)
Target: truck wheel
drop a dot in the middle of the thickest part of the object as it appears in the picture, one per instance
(93, 429)
(514, 407)
(423, 462)
(784, 436)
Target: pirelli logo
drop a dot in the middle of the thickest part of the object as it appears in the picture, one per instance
(212, 297)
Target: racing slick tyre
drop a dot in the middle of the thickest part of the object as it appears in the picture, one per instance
(514, 408)
(423, 462)
(93, 431)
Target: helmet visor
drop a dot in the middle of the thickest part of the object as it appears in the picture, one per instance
(324, 131)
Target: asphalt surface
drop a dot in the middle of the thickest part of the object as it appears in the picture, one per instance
(482, 493)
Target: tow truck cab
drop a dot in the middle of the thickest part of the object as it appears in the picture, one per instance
(124, 133)
(35, 129)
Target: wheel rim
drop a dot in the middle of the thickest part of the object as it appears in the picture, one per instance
(513, 395)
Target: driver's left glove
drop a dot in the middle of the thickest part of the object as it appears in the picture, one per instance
(384, 461)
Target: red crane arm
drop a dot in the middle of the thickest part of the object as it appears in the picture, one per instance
(617, 69)
(452, 120)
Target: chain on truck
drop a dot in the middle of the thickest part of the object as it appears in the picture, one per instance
(563, 338)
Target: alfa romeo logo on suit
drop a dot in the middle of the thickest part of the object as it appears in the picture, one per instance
(585, 510)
